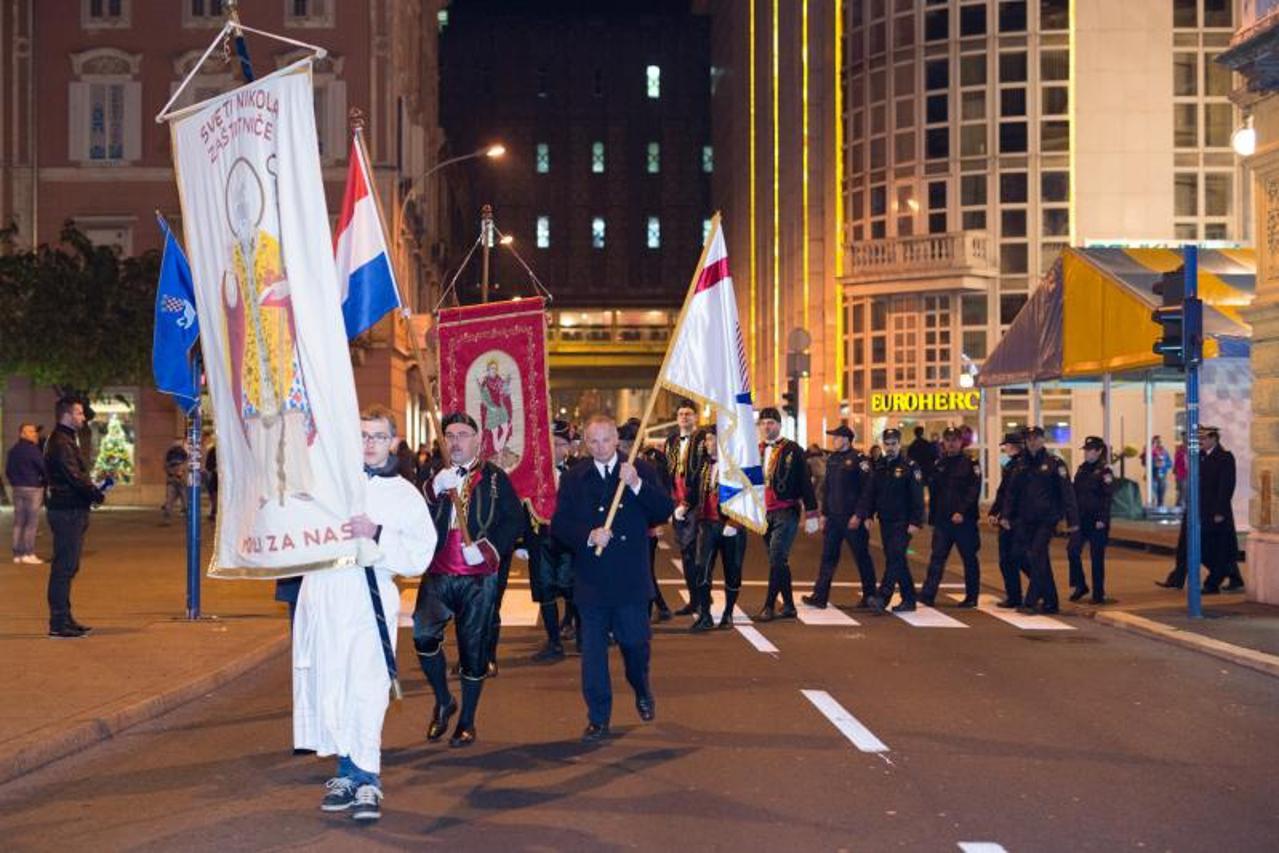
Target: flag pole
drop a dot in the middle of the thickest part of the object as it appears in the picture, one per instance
(657, 385)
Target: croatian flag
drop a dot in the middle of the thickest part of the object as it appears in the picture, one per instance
(707, 361)
(364, 267)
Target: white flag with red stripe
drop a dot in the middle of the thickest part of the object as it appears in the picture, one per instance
(707, 361)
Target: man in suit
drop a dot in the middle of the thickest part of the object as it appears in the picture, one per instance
(612, 588)
(683, 458)
(788, 494)
(1219, 543)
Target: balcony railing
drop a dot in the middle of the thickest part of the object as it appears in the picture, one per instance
(925, 256)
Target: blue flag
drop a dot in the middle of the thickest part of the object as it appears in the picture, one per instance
(176, 326)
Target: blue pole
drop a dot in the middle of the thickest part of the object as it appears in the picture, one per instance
(193, 507)
(1194, 549)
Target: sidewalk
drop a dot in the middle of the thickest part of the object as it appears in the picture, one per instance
(142, 659)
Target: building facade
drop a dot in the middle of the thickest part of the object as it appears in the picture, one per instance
(82, 82)
(604, 111)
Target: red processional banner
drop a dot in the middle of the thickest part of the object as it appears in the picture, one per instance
(493, 367)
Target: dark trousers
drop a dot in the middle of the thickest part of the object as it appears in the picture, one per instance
(68, 526)
(1096, 539)
(628, 624)
(963, 536)
(730, 550)
(1012, 564)
(783, 524)
(834, 536)
(1218, 551)
(1033, 540)
(495, 622)
(686, 538)
(895, 539)
(658, 600)
(465, 600)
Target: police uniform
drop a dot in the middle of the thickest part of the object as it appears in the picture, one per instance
(1094, 483)
(717, 537)
(1012, 561)
(954, 486)
(1041, 497)
(848, 473)
(896, 496)
(788, 495)
(683, 455)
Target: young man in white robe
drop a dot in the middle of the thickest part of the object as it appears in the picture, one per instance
(341, 686)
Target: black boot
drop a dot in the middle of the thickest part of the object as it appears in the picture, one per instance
(464, 734)
(435, 668)
(551, 623)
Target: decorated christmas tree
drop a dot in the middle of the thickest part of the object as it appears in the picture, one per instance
(115, 456)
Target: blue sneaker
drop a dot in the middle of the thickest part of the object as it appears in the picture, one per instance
(340, 796)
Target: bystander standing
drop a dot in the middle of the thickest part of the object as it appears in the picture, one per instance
(24, 469)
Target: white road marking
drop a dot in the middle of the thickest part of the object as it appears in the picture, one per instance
(756, 639)
(832, 615)
(1026, 622)
(717, 608)
(848, 725)
(981, 847)
(926, 617)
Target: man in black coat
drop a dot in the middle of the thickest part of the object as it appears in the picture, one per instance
(1219, 543)
(612, 589)
(477, 516)
(550, 565)
(848, 472)
(1093, 485)
(1043, 496)
(1012, 561)
(954, 485)
(71, 495)
(683, 450)
(788, 496)
(896, 497)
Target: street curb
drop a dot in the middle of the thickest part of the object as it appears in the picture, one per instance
(1250, 658)
(35, 751)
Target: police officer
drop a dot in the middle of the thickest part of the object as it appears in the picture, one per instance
(1041, 497)
(1093, 486)
(1012, 561)
(954, 485)
(847, 474)
(788, 494)
(896, 495)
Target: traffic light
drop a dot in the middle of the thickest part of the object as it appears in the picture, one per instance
(790, 397)
(1180, 320)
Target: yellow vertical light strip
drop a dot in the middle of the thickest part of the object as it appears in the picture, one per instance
(753, 225)
(777, 212)
(1072, 114)
(840, 349)
(803, 58)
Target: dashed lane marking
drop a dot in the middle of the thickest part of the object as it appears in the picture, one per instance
(831, 615)
(926, 617)
(848, 725)
(1026, 622)
(756, 639)
(981, 847)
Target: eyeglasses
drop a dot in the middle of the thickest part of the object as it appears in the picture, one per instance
(377, 437)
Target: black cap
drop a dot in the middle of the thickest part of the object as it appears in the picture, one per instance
(458, 418)
(842, 431)
(562, 429)
(891, 433)
(1013, 438)
(628, 431)
(1033, 430)
(770, 413)
(1094, 442)
(1213, 431)
(951, 432)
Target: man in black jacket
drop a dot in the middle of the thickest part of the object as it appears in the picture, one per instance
(1012, 561)
(71, 495)
(788, 495)
(612, 588)
(1093, 484)
(848, 473)
(24, 469)
(1219, 544)
(1043, 496)
(896, 496)
(954, 485)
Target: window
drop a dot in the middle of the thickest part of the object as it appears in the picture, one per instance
(1056, 222)
(543, 82)
(878, 201)
(309, 13)
(653, 158)
(974, 220)
(1055, 100)
(653, 81)
(972, 190)
(972, 140)
(597, 158)
(903, 80)
(103, 14)
(1185, 130)
(1054, 186)
(1012, 67)
(1012, 16)
(1054, 136)
(937, 223)
(1218, 125)
(1012, 102)
(203, 12)
(1012, 223)
(543, 232)
(1054, 14)
(112, 232)
(1012, 137)
(937, 143)
(1054, 65)
(104, 107)
(972, 69)
(1217, 80)
(1184, 74)
(972, 20)
(1009, 306)
(706, 230)
(597, 232)
(1217, 13)
(708, 159)
(1217, 194)
(904, 147)
(1185, 13)
(972, 106)
(1012, 188)
(905, 113)
(542, 158)
(936, 74)
(653, 238)
(936, 25)
(1186, 197)
(937, 195)
(935, 109)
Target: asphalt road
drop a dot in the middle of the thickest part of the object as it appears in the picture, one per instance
(1078, 737)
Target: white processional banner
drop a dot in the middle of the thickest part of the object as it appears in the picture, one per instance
(279, 374)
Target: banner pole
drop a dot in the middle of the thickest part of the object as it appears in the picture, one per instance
(193, 502)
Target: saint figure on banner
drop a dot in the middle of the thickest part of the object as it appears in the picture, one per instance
(496, 414)
(266, 373)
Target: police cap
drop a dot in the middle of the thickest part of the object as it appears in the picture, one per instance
(1033, 430)
(1094, 442)
(890, 434)
(842, 431)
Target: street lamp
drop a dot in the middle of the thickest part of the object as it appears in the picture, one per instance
(1244, 140)
(492, 152)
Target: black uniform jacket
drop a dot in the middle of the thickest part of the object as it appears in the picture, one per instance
(953, 487)
(619, 575)
(1216, 485)
(1042, 492)
(69, 483)
(896, 492)
(847, 474)
(1093, 487)
(495, 518)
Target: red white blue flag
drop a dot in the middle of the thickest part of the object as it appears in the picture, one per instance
(707, 361)
(365, 274)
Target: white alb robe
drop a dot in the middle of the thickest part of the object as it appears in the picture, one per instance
(340, 684)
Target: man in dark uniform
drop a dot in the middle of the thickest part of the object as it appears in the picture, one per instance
(682, 450)
(954, 485)
(717, 536)
(477, 516)
(788, 491)
(551, 564)
(847, 474)
(1012, 561)
(1041, 497)
(1093, 486)
(1219, 541)
(612, 588)
(896, 496)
